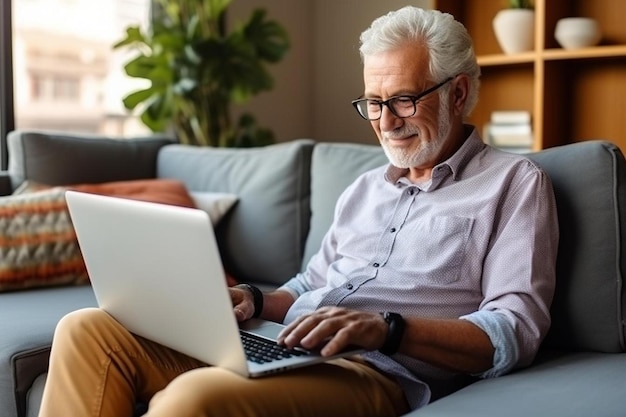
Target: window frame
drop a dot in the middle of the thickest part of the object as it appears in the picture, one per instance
(7, 109)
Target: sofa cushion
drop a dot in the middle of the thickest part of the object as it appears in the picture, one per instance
(558, 385)
(60, 159)
(262, 237)
(589, 181)
(333, 168)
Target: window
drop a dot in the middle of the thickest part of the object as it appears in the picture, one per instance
(65, 74)
(54, 88)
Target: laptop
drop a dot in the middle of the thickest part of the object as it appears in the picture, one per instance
(156, 269)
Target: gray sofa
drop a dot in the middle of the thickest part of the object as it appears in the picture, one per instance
(286, 197)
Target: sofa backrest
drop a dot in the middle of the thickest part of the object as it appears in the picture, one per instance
(262, 237)
(62, 159)
(333, 168)
(589, 181)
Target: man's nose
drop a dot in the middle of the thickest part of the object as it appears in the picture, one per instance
(389, 121)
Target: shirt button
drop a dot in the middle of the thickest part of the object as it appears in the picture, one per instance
(349, 286)
(375, 264)
(411, 192)
(393, 230)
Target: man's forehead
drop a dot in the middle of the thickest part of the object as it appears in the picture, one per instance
(403, 60)
(402, 69)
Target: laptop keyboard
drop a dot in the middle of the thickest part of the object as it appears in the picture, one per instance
(261, 350)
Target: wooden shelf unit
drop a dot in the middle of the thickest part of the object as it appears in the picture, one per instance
(573, 95)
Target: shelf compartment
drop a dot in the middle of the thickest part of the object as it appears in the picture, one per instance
(477, 16)
(508, 88)
(585, 102)
(609, 14)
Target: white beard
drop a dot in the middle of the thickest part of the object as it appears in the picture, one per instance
(427, 151)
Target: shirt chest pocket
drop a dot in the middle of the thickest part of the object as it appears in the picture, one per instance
(434, 249)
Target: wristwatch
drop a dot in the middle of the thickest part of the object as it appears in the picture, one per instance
(394, 335)
(257, 296)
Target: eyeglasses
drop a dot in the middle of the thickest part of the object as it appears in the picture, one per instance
(400, 106)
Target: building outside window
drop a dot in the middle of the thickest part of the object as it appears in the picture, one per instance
(66, 75)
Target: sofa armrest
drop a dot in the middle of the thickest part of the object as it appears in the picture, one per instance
(27, 325)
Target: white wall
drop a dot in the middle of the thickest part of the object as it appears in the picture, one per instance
(322, 72)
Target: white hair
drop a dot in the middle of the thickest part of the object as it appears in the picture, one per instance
(449, 45)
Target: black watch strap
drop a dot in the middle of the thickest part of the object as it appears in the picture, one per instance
(257, 295)
(394, 335)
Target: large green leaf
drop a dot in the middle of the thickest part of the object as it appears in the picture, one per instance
(157, 114)
(133, 35)
(267, 37)
(140, 67)
(132, 100)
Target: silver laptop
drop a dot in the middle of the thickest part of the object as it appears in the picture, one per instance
(156, 268)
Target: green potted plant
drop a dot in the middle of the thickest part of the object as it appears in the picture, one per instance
(197, 69)
(521, 4)
(514, 27)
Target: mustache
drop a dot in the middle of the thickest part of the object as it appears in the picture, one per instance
(401, 133)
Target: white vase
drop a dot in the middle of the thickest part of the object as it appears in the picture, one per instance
(577, 32)
(515, 30)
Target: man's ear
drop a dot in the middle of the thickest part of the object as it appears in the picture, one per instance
(460, 91)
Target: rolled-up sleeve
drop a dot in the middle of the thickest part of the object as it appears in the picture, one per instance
(519, 272)
(503, 338)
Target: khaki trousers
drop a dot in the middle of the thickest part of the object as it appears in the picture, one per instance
(98, 368)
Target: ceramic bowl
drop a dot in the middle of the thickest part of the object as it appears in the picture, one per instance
(577, 32)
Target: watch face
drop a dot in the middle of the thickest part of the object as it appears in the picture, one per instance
(389, 316)
(395, 333)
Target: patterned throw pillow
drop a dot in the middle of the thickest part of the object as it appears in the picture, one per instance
(38, 244)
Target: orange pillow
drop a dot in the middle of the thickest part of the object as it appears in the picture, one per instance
(165, 191)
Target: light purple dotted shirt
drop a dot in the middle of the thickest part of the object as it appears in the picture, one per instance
(477, 242)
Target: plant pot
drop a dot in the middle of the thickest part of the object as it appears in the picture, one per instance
(515, 30)
(577, 32)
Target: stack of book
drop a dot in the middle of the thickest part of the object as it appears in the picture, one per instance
(510, 130)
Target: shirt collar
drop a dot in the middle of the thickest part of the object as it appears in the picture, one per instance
(470, 147)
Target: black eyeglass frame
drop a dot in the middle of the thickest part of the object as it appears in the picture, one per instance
(414, 99)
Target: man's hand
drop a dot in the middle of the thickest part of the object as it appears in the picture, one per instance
(243, 302)
(335, 329)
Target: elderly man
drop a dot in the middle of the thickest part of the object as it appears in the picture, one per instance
(440, 265)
